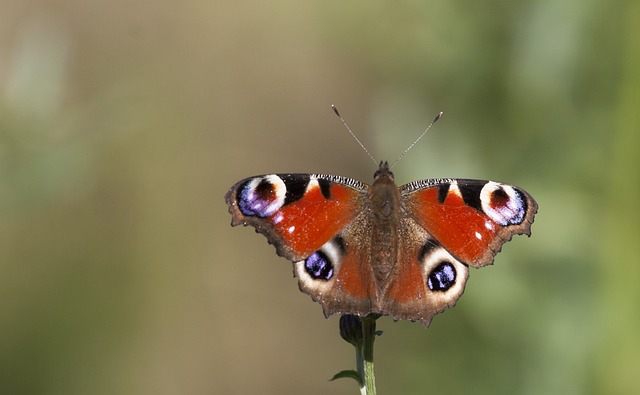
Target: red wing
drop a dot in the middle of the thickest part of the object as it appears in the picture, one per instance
(298, 213)
(471, 219)
(339, 275)
(429, 279)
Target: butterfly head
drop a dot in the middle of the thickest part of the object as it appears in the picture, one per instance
(383, 171)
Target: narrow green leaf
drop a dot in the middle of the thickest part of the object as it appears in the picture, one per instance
(348, 374)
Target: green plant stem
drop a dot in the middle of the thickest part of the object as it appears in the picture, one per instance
(364, 356)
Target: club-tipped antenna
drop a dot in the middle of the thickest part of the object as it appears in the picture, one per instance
(418, 139)
(335, 109)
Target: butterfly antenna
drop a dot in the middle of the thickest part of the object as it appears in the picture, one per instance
(335, 109)
(418, 139)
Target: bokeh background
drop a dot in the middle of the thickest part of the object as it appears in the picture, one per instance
(123, 123)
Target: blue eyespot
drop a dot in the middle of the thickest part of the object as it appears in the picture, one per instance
(442, 277)
(250, 202)
(318, 266)
(261, 196)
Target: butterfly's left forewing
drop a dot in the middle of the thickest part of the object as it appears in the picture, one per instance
(298, 213)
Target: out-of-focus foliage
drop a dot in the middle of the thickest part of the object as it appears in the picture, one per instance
(122, 124)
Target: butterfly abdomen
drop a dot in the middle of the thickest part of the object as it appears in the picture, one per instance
(385, 220)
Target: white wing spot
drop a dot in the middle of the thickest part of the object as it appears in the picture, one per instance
(291, 229)
(478, 236)
(455, 189)
(489, 225)
(313, 184)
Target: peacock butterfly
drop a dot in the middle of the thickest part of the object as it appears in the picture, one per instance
(382, 249)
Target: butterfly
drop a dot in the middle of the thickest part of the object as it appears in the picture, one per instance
(382, 249)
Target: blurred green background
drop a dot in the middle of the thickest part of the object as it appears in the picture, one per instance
(123, 123)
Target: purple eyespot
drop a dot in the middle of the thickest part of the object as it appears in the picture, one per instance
(442, 277)
(318, 266)
(504, 204)
(261, 196)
